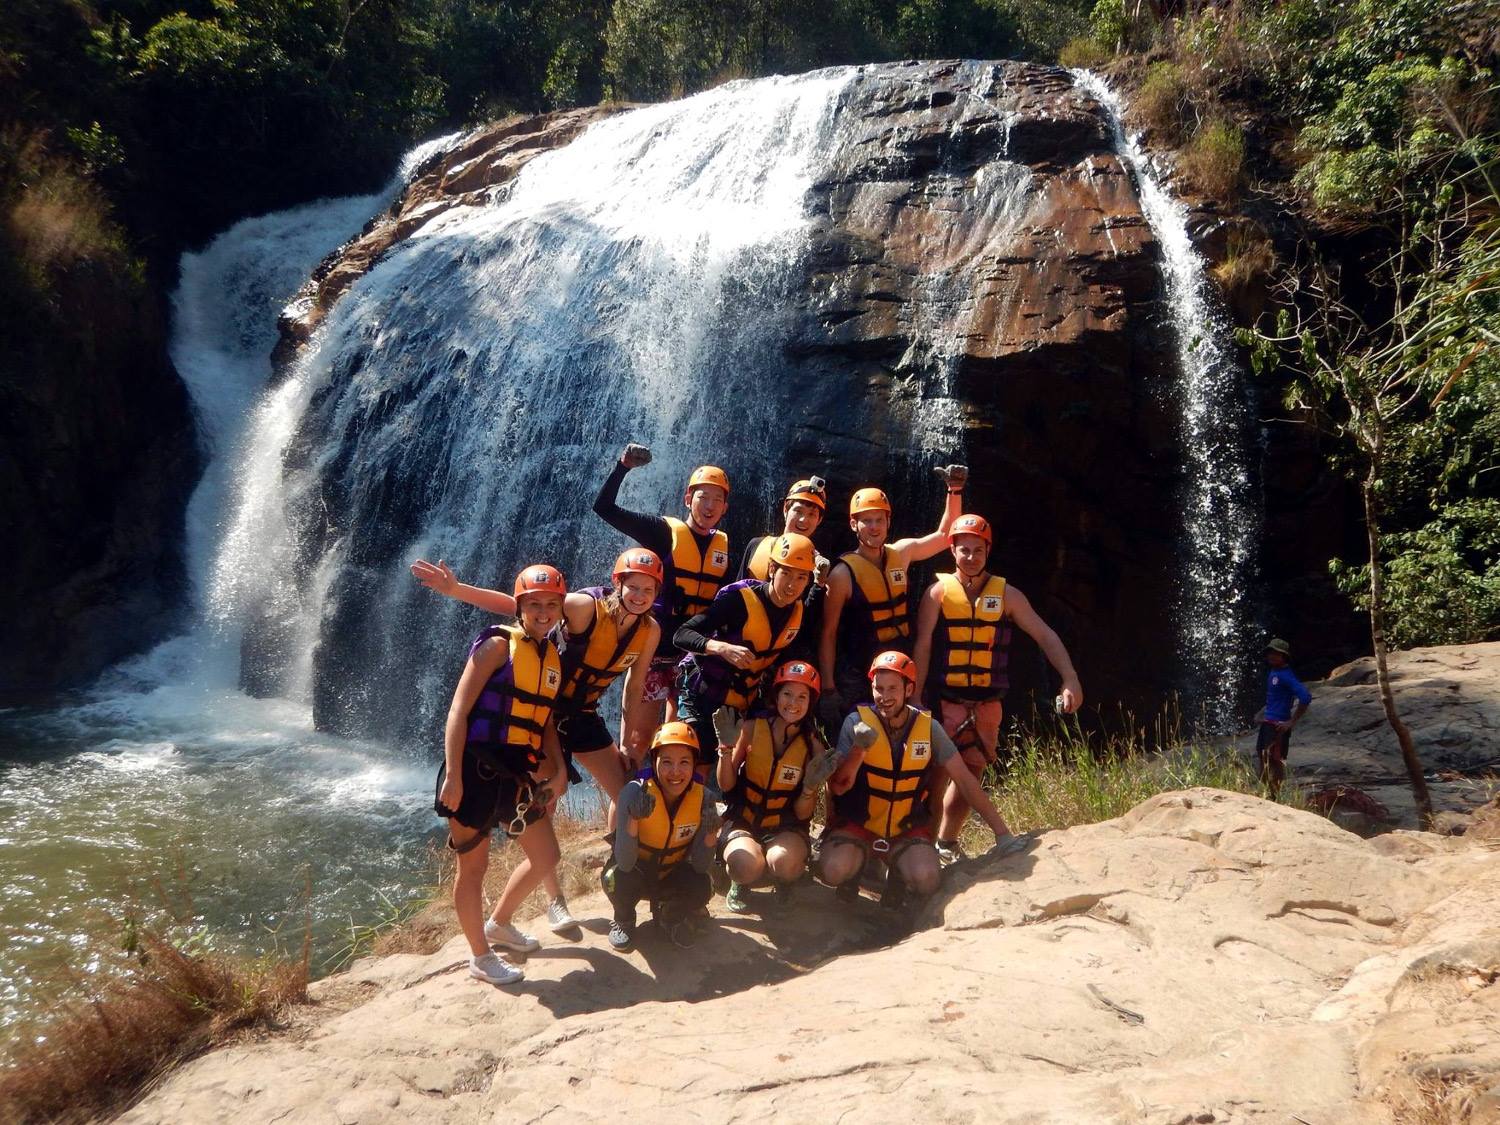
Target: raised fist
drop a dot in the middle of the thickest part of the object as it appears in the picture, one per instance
(820, 570)
(863, 735)
(635, 456)
(954, 476)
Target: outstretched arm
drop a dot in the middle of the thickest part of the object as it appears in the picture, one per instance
(439, 577)
(1018, 609)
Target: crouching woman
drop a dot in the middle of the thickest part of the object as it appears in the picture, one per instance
(663, 844)
(770, 778)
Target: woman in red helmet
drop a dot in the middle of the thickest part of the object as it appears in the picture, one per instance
(498, 766)
(893, 753)
(604, 632)
(770, 779)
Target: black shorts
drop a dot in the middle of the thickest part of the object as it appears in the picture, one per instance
(1267, 735)
(490, 798)
(736, 830)
(582, 732)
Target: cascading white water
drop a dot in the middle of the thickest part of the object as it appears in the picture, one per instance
(465, 396)
(1219, 507)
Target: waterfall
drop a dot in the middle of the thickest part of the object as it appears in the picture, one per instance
(1220, 512)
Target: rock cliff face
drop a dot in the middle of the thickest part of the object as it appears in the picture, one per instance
(977, 271)
(1205, 958)
(97, 458)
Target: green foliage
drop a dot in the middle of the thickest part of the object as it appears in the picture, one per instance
(1084, 52)
(1107, 23)
(1160, 104)
(1442, 580)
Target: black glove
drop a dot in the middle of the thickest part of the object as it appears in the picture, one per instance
(635, 456)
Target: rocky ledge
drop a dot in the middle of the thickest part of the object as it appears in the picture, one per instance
(1207, 957)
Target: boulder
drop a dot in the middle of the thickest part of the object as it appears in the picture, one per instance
(1206, 957)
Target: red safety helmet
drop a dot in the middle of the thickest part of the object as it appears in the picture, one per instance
(539, 578)
(798, 672)
(893, 661)
(638, 560)
(972, 525)
(675, 733)
(869, 500)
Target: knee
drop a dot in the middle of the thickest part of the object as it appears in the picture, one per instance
(921, 872)
(786, 863)
(839, 864)
(745, 864)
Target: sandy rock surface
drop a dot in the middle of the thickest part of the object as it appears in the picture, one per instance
(1450, 699)
(1207, 957)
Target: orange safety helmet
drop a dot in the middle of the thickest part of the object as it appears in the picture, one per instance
(638, 560)
(798, 672)
(811, 490)
(869, 500)
(539, 578)
(972, 525)
(795, 552)
(675, 733)
(893, 661)
(709, 474)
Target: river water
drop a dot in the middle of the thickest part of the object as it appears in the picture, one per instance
(500, 352)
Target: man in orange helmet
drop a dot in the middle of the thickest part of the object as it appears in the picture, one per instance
(893, 754)
(735, 642)
(865, 606)
(802, 510)
(695, 554)
(962, 640)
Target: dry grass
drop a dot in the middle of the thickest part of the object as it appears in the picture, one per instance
(157, 1005)
(1437, 1098)
(58, 218)
(1214, 160)
(1161, 104)
(425, 925)
(1247, 264)
(1084, 52)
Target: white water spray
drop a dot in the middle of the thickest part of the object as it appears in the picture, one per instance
(1220, 515)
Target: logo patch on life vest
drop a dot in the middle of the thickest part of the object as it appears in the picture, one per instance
(788, 775)
(719, 558)
(921, 751)
(791, 635)
(628, 659)
(897, 576)
(991, 604)
(683, 833)
(552, 677)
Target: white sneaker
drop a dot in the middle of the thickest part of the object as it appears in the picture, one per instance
(559, 918)
(492, 970)
(507, 936)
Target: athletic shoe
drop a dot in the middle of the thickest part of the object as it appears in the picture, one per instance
(492, 970)
(894, 895)
(735, 900)
(621, 939)
(950, 851)
(847, 891)
(718, 877)
(508, 937)
(784, 893)
(683, 934)
(559, 918)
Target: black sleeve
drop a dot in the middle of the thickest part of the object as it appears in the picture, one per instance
(749, 554)
(722, 615)
(650, 532)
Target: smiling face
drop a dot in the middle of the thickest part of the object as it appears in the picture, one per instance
(539, 612)
(673, 766)
(637, 592)
(706, 505)
(970, 553)
(871, 528)
(787, 585)
(792, 702)
(801, 517)
(890, 691)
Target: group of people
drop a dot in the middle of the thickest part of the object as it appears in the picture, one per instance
(742, 701)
